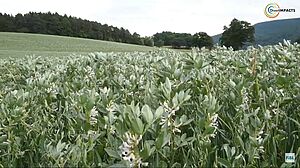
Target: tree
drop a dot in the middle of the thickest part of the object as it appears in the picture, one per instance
(35, 23)
(238, 33)
(66, 26)
(6, 23)
(148, 41)
(20, 23)
(178, 42)
(159, 43)
(136, 39)
(166, 36)
(201, 39)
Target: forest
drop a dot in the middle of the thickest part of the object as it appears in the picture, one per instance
(55, 24)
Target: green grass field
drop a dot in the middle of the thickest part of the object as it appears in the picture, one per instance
(21, 44)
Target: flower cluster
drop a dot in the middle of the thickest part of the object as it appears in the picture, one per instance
(167, 119)
(213, 123)
(90, 73)
(128, 150)
(53, 89)
(93, 115)
(214, 120)
(260, 141)
(245, 100)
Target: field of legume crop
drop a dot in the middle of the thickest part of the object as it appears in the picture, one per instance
(218, 108)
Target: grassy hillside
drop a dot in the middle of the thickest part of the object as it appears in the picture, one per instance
(272, 32)
(21, 44)
(267, 33)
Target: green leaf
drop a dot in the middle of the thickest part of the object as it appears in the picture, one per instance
(162, 139)
(146, 152)
(137, 126)
(176, 165)
(147, 113)
(60, 146)
(184, 120)
(209, 130)
(118, 165)
(167, 88)
(159, 111)
(224, 162)
(3, 138)
(175, 100)
(181, 96)
(187, 97)
(168, 85)
(112, 153)
(231, 83)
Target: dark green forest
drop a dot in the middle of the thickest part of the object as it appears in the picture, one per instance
(55, 24)
(183, 40)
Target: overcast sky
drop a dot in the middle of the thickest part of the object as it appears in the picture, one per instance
(147, 17)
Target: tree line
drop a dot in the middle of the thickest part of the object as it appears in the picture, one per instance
(182, 40)
(55, 24)
(238, 34)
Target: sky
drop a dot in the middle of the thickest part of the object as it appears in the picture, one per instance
(147, 17)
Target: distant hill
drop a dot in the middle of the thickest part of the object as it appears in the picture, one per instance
(273, 32)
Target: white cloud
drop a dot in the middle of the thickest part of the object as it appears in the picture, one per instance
(147, 17)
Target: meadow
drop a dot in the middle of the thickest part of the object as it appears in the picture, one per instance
(163, 108)
(21, 44)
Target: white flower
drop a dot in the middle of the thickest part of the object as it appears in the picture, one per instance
(53, 89)
(129, 157)
(127, 148)
(111, 107)
(261, 149)
(91, 132)
(105, 90)
(259, 138)
(90, 73)
(214, 120)
(176, 130)
(94, 114)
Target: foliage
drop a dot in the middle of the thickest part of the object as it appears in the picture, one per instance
(182, 40)
(176, 40)
(238, 34)
(166, 37)
(218, 108)
(201, 39)
(55, 24)
(159, 43)
(148, 41)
